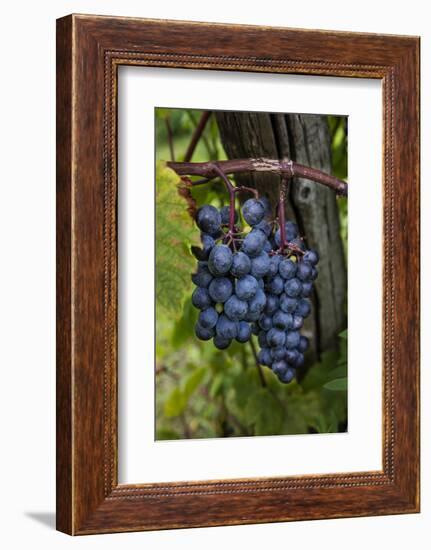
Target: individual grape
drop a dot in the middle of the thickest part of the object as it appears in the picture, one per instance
(282, 320)
(287, 376)
(276, 338)
(225, 215)
(292, 339)
(221, 343)
(303, 272)
(287, 269)
(220, 289)
(272, 304)
(292, 356)
(263, 343)
(261, 283)
(303, 307)
(265, 227)
(291, 230)
(260, 265)
(264, 357)
(279, 367)
(201, 298)
(287, 304)
(273, 265)
(278, 354)
(267, 246)
(244, 332)
(267, 206)
(208, 244)
(299, 361)
(314, 273)
(203, 333)
(311, 257)
(246, 287)
(307, 289)
(253, 211)
(241, 264)
(258, 302)
(220, 260)
(208, 219)
(226, 328)
(235, 308)
(255, 329)
(276, 286)
(303, 344)
(253, 243)
(265, 322)
(297, 322)
(293, 288)
(208, 318)
(202, 278)
(252, 316)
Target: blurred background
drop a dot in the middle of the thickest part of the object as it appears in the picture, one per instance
(202, 392)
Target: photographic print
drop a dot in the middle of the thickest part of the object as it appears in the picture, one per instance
(203, 323)
(251, 274)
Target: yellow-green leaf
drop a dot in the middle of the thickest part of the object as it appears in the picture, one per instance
(175, 233)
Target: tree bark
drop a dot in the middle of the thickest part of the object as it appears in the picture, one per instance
(304, 139)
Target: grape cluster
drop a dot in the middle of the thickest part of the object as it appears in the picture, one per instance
(247, 283)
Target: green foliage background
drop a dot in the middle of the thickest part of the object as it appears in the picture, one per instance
(202, 392)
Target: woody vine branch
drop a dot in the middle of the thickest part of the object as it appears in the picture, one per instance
(286, 168)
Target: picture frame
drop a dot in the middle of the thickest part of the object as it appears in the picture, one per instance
(89, 51)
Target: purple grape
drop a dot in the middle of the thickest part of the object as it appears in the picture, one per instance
(282, 320)
(304, 271)
(260, 265)
(220, 289)
(311, 257)
(244, 332)
(246, 287)
(225, 328)
(253, 243)
(293, 288)
(276, 338)
(208, 219)
(253, 211)
(208, 318)
(264, 357)
(220, 260)
(221, 343)
(287, 269)
(203, 333)
(201, 298)
(292, 339)
(241, 264)
(235, 308)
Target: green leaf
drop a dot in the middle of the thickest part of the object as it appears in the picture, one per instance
(175, 403)
(193, 381)
(264, 412)
(174, 234)
(339, 384)
(167, 433)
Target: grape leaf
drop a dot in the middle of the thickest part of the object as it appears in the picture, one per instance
(174, 234)
(338, 384)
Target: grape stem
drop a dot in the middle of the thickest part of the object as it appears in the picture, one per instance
(231, 190)
(212, 169)
(281, 212)
(258, 365)
(197, 135)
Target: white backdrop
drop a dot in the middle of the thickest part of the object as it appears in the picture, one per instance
(27, 311)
